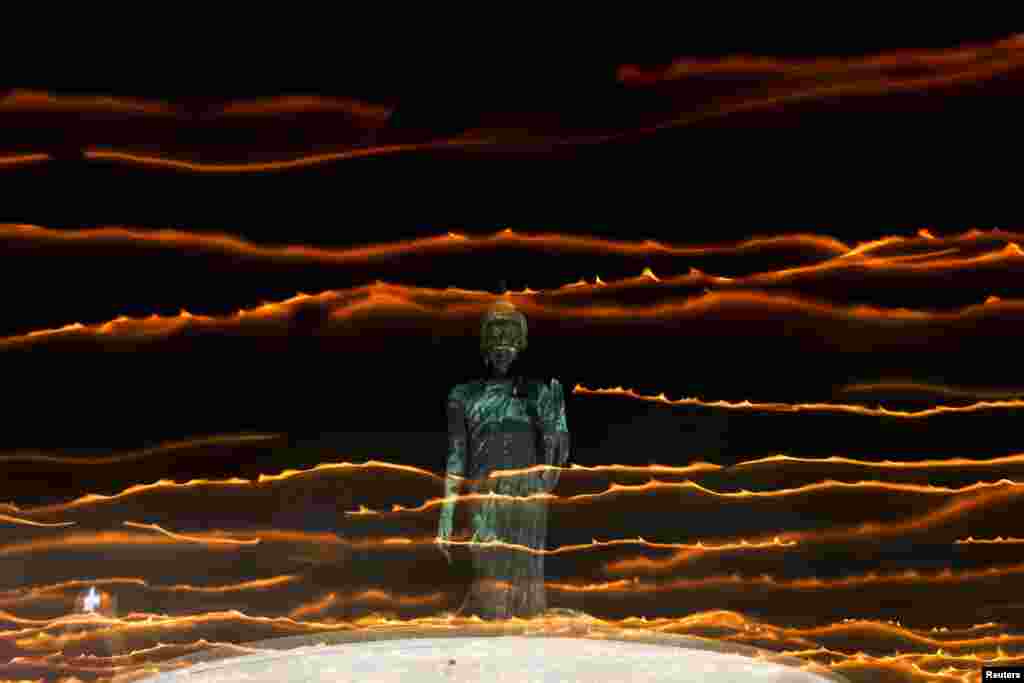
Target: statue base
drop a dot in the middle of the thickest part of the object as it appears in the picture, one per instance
(563, 646)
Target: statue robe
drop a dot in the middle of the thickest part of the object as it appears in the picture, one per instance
(490, 429)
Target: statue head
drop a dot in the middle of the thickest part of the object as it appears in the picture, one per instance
(502, 336)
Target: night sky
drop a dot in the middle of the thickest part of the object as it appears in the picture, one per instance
(576, 149)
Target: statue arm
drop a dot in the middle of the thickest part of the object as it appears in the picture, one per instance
(555, 435)
(455, 468)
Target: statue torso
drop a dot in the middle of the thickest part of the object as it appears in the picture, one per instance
(502, 429)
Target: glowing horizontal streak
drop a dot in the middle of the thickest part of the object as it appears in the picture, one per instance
(843, 258)
(910, 577)
(366, 596)
(896, 264)
(127, 661)
(949, 68)
(804, 407)
(945, 390)
(165, 622)
(954, 509)
(76, 584)
(105, 539)
(22, 159)
(289, 164)
(94, 498)
(396, 298)
(949, 463)
(654, 485)
(325, 540)
(650, 470)
(561, 550)
(192, 539)
(447, 241)
(821, 66)
(37, 101)
(614, 488)
(860, 88)
(733, 626)
(228, 439)
(721, 618)
(27, 522)
(296, 104)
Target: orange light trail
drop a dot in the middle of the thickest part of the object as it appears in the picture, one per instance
(822, 66)
(695, 468)
(455, 304)
(948, 68)
(135, 489)
(694, 623)
(128, 662)
(304, 104)
(998, 59)
(952, 510)
(805, 407)
(75, 584)
(655, 485)
(41, 640)
(910, 576)
(256, 584)
(169, 447)
(951, 463)
(314, 607)
(917, 636)
(866, 87)
(840, 260)
(322, 540)
(947, 645)
(27, 522)
(692, 468)
(446, 242)
(614, 488)
(942, 389)
(93, 498)
(22, 159)
(699, 546)
(284, 165)
(103, 538)
(367, 596)
(36, 101)
(192, 539)
(895, 264)
(998, 540)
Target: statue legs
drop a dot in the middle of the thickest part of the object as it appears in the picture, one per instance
(508, 581)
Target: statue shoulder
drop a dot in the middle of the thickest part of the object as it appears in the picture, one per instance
(464, 391)
(458, 393)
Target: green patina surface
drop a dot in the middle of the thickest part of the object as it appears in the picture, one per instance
(491, 429)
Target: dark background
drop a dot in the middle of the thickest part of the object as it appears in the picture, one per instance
(853, 168)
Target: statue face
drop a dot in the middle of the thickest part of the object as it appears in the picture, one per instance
(500, 359)
(502, 341)
(502, 333)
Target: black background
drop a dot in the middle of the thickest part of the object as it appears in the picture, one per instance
(850, 167)
(854, 168)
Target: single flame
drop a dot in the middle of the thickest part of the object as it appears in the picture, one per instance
(92, 600)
